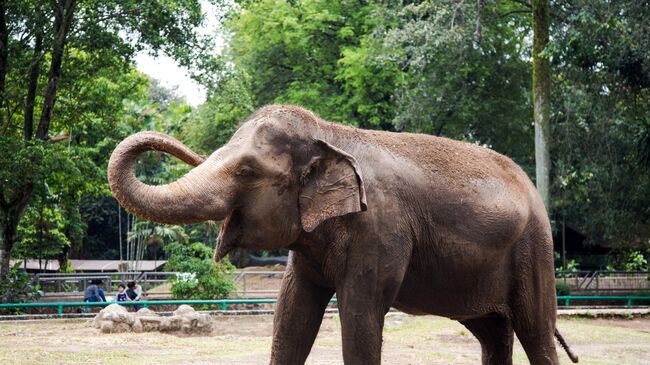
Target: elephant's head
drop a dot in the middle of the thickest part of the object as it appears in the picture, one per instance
(274, 179)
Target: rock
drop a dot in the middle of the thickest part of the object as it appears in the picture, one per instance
(183, 309)
(150, 323)
(106, 326)
(137, 326)
(109, 316)
(171, 324)
(119, 327)
(116, 319)
(145, 312)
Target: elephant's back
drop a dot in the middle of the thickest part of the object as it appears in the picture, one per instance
(471, 193)
(455, 161)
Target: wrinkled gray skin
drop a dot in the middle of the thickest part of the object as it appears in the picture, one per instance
(424, 224)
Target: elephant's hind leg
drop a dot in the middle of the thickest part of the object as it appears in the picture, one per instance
(496, 336)
(534, 305)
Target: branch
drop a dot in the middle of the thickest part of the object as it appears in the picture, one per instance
(61, 137)
(514, 12)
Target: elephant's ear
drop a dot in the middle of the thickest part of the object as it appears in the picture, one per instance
(332, 186)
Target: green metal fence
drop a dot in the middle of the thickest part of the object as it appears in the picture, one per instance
(223, 304)
(629, 300)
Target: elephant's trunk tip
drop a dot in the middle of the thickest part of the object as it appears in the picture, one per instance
(565, 346)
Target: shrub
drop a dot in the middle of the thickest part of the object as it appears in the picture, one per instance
(199, 277)
(562, 288)
(17, 288)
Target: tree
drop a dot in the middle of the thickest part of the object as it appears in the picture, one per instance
(600, 121)
(198, 277)
(67, 42)
(541, 98)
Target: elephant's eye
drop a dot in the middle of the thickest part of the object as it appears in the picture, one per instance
(245, 171)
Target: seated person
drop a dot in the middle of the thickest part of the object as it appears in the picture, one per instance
(121, 294)
(134, 292)
(94, 292)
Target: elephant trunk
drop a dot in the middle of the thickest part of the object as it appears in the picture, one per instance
(193, 198)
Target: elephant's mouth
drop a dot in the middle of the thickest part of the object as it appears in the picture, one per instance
(228, 235)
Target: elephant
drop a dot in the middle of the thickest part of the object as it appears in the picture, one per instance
(419, 223)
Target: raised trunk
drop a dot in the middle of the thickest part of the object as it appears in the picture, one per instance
(194, 198)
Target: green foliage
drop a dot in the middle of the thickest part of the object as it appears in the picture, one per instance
(41, 234)
(214, 122)
(562, 288)
(71, 88)
(629, 260)
(304, 52)
(636, 262)
(199, 277)
(571, 265)
(601, 120)
(16, 287)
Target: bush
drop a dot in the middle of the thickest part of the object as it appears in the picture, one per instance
(199, 277)
(562, 288)
(17, 288)
(629, 260)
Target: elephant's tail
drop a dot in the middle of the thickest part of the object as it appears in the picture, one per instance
(566, 347)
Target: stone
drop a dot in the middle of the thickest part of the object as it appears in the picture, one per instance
(113, 313)
(115, 319)
(183, 309)
(146, 312)
(150, 323)
(137, 326)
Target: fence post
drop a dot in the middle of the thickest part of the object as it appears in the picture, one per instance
(567, 302)
(224, 306)
(245, 275)
(630, 301)
(60, 308)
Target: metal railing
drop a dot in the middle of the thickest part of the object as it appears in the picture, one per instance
(628, 300)
(67, 285)
(598, 282)
(222, 303)
(602, 282)
(241, 280)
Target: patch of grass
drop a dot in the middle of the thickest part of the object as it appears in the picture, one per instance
(247, 340)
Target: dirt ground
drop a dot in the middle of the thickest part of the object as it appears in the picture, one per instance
(247, 340)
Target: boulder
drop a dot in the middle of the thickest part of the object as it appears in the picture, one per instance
(145, 312)
(115, 319)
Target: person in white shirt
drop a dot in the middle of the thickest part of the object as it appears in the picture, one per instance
(134, 292)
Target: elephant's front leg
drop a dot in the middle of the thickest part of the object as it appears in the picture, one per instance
(298, 315)
(362, 314)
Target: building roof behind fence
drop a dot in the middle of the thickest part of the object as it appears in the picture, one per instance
(88, 265)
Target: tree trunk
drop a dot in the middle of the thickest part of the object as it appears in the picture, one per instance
(10, 215)
(63, 13)
(34, 72)
(4, 53)
(478, 33)
(541, 97)
(8, 227)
